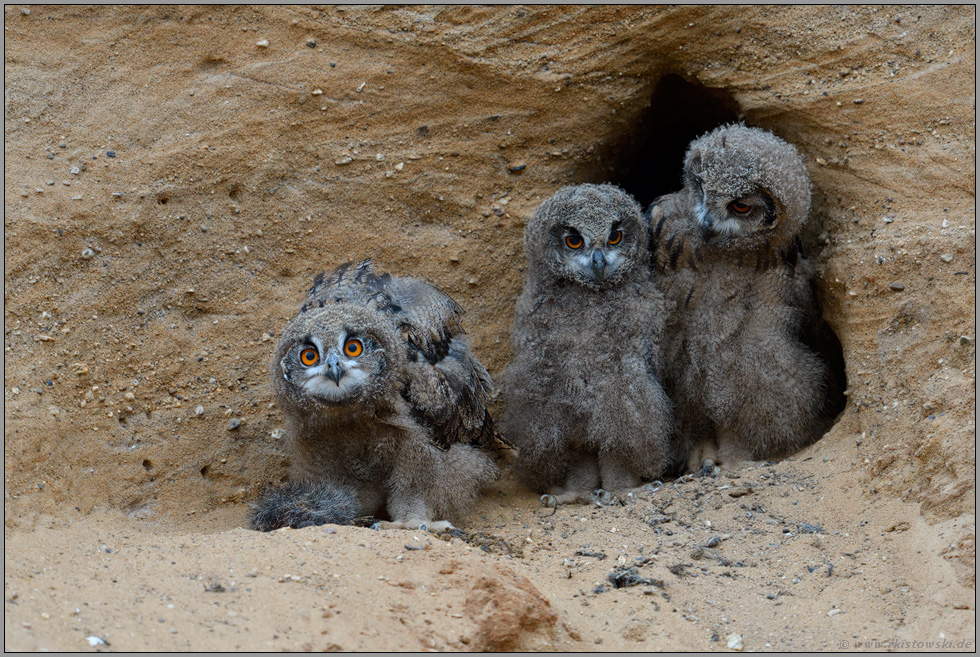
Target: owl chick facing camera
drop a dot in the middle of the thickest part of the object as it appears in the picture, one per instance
(582, 397)
(385, 407)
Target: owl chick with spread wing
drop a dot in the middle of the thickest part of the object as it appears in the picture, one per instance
(385, 407)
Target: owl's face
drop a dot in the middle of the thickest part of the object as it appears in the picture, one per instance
(334, 356)
(732, 213)
(747, 187)
(727, 208)
(591, 235)
(593, 253)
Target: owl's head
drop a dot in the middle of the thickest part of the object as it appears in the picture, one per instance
(749, 188)
(590, 235)
(340, 355)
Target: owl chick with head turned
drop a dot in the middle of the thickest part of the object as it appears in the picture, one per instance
(727, 247)
(385, 407)
(583, 399)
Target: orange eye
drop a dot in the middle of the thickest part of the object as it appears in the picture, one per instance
(309, 357)
(616, 238)
(353, 348)
(739, 207)
(573, 242)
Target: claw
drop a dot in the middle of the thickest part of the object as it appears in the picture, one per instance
(423, 527)
(376, 527)
(707, 469)
(603, 497)
(549, 501)
(654, 486)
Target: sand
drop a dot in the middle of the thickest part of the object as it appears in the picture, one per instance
(176, 176)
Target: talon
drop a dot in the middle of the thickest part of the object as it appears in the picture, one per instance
(654, 486)
(423, 527)
(376, 526)
(549, 501)
(707, 468)
(603, 497)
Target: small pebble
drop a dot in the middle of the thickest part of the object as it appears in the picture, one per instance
(234, 424)
(50, 155)
(344, 160)
(965, 339)
(75, 171)
(88, 254)
(897, 286)
(946, 257)
(264, 43)
(858, 101)
(199, 411)
(317, 92)
(111, 154)
(735, 641)
(311, 44)
(514, 167)
(26, 12)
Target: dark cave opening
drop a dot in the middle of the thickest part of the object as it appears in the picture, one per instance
(679, 112)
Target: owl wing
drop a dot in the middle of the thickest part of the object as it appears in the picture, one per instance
(427, 317)
(671, 245)
(449, 397)
(446, 387)
(349, 283)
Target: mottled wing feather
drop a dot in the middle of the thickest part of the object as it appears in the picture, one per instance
(446, 387)
(349, 283)
(450, 396)
(670, 247)
(427, 316)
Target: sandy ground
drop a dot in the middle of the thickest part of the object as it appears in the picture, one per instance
(172, 186)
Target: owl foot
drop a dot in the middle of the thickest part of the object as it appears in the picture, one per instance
(703, 458)
(435, 526)
(708, 469)
(557, 497)
(604, 498)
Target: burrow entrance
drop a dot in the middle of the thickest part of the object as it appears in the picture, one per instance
(679, 112)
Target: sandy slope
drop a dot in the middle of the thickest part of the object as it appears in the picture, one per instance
(238, 172)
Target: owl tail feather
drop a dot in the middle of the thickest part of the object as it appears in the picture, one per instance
(299, 504)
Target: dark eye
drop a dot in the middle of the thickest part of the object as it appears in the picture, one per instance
(739, 208)
(309, 357)
(616, 238)
(573, 242)
(353, 348)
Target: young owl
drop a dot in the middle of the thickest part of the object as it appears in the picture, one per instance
(727, 248)
(385, 407)
(583, 400)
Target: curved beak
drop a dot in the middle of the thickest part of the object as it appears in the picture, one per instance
(333, 368)
(598, 263)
